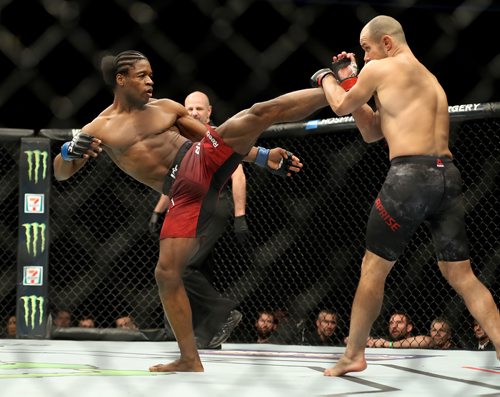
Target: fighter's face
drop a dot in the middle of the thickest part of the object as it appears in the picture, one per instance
(373, 49)
(137, 82)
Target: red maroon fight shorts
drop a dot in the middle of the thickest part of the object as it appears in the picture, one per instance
(193, 183)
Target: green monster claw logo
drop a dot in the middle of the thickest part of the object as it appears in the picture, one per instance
(19, 369)
(36, 158)
(34, 231)
(32, 306)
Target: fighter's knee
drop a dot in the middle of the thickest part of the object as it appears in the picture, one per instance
(166, 277)
(266, 109)
(458, 274)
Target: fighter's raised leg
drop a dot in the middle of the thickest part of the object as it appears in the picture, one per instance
(242, 130)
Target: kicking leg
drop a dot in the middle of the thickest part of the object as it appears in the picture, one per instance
(174, 254)
(242, 130)
(477, 297)
(365, 310)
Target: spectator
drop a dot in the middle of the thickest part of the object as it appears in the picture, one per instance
(399, 327)
(62, 318)
(10, 327)
(286, 329)
(265, 326)
(483, 340)
(126, 322)
(440, 337)
(325, 331)
(213, 316)
(86, 322)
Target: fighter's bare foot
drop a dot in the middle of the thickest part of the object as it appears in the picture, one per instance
(180, 365)
(345, 365)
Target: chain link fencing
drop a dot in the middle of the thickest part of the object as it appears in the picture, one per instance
(306, 244)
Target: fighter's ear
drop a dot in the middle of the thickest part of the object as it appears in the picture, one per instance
(388, 42)
(120, 79)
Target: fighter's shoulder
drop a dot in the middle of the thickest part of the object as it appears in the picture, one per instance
(378, 65)
(165, 103)
(96, 126)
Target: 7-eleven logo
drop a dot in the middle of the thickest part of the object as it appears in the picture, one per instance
(33, 203)
(33, 275)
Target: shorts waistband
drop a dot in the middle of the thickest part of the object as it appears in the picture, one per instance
(421, 159)
(172, 172)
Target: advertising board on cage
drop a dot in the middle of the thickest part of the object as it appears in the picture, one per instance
(33, 275)
(34, 203)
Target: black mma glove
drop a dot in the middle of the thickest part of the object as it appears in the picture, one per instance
(350, 72)
(317, 77)
(284, 165)
(241, 230)
(77, 147)
(154, 225)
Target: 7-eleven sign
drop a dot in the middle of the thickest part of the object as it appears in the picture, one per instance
(33, 275)
(33, 203)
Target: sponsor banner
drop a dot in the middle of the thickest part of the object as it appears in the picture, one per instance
(33, 311)
(37, 165)
(33, 238)
(33, 275)
(34, 203)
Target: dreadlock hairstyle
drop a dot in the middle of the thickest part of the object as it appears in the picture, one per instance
(112, 65)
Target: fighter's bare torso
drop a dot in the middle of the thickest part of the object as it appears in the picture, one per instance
(141, 141)
(413, 108)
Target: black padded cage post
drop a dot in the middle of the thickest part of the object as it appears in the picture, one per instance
(33, 242)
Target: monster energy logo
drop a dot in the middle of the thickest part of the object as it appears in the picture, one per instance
(35, 237)
(36, 159)
(32, 306)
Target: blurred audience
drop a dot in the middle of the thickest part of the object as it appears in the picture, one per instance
(399, 327)
(86, 322)
(482, 340)
(10, 327)
(126, 322)
(62, 318)
(324, 332)
(440, 337)
(265, 325)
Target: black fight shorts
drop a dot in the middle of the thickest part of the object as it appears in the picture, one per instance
(419, 189)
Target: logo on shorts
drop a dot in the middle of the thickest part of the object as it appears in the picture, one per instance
(35, 234)
(37, 164)
(173, 174)
(439, 163)
(386, 217)
(212, 139)
(33, 307)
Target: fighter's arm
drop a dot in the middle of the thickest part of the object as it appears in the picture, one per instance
(189, 127)
(239, 187)
(419, 341)
(354, 101)
(368, 123)
(277, 160)
(75, 153)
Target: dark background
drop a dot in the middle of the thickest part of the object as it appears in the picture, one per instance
(238, 51)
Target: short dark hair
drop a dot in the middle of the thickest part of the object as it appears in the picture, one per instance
(401, 313)
(121, 63)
